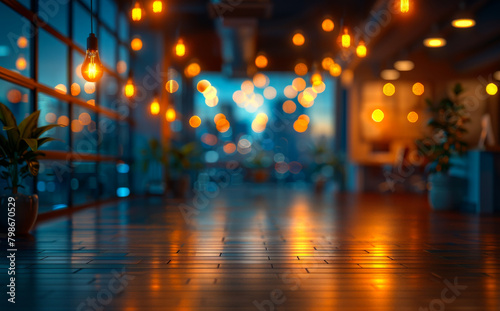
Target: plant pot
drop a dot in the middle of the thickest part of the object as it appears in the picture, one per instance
(443, 192)
(26, 211)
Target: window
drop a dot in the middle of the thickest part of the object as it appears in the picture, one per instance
(93, 150)
(15, 41)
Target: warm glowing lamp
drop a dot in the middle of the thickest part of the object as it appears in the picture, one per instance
(180, 48)
(434, 42)
(157, 6)
(21, 63)
(136, 44)
(345, 39)
(155, 107)
(389, 89)
(327, 25)
(389, 74)
(130, 88)
(405, 6)
(463, 23)
(492, 89)
(195, 121)
(170, 115)
(137, 12)
(327, 62)
(404, 65)
(301, 69)
(192, 70)
(92, 69)
(463, 19)
(361, 49)
(418, 89)
(335, 70)
(378, 115)
(261, 61)
(298, 39)
(412, 117)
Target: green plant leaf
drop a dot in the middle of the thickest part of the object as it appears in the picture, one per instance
(7, 117)
(44, 140)
(27, 125)
(32, 142)
(9, 122)
(40, 130)
(4, 147)
(34, 167)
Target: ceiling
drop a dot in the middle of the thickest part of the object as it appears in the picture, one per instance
(218, 41)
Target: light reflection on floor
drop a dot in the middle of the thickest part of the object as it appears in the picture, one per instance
(343, 252)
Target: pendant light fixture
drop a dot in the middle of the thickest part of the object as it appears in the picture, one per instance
(180, 48)
(435, 40)
(92, 69)
(155, 106)
(463, 19)
(345, 38)
(157, 6)
(404, 6)
(361, 49)
(137, 11)
(130, 87)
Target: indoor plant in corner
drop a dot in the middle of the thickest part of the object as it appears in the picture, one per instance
(19, 159)
(445, 143)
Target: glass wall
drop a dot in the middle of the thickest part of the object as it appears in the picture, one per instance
(40, 70)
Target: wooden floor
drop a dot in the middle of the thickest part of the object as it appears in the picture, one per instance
(262, 248)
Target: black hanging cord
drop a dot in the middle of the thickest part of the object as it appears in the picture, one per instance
(91, 17)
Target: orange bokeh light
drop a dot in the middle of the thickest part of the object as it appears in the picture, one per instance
(195, 121)
(298, 39)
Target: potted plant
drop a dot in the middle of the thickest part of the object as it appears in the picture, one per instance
(177, 162)
(19, 159)
(447, 126)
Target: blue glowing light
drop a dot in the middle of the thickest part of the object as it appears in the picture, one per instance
(122, 168)
(123, 192)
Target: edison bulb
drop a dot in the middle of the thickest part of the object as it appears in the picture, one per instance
(180, 48)
(130, 88)
(92, 69)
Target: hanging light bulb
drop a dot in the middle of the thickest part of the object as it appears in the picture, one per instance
(92, 69)
(137, 12)
(345, 39)
(405, 6)
(130, 87)
(361, 49)
(180, 48)
(155, 107)
(170, 115)
(157, 6)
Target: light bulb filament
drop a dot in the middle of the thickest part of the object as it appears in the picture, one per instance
(405, 6)
(92, 69)
(346, 39)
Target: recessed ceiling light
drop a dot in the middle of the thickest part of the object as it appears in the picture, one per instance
(435, 42)
(496, 75)
(404, 65)
(389, 74)
(463, 23)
